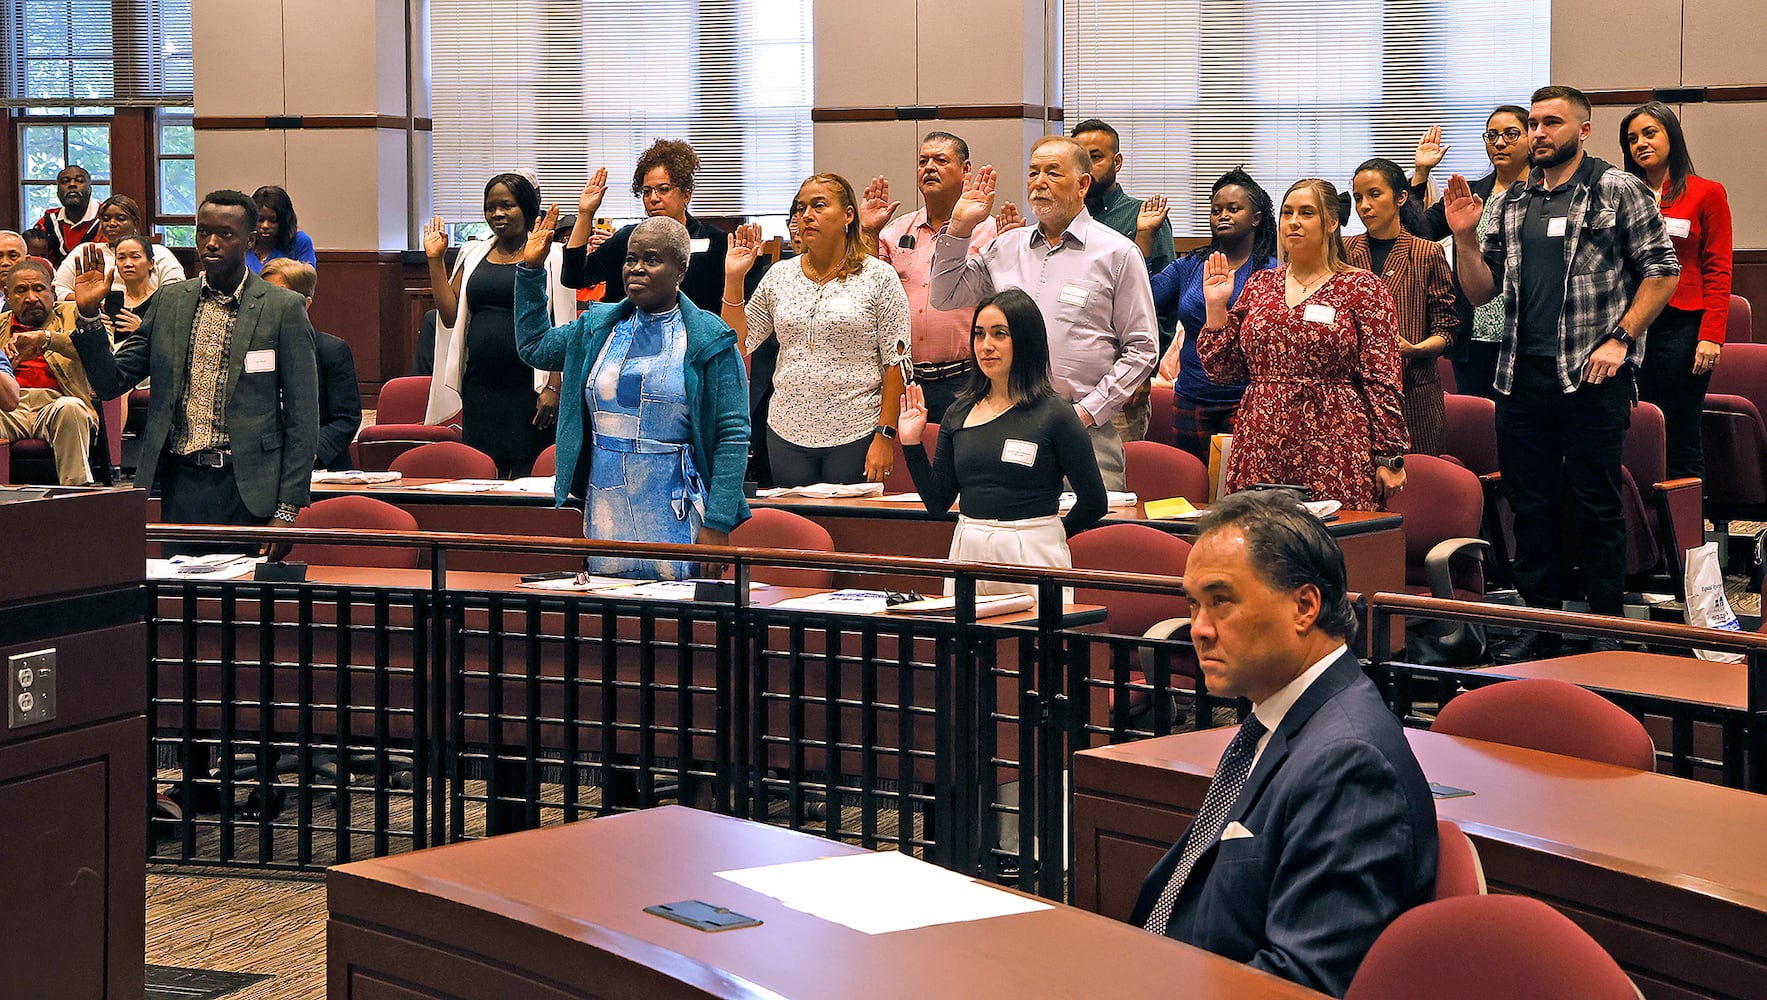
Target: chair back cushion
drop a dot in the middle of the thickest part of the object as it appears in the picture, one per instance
(1470, 432)
(1553, 716)
(1131, 548)
(771, 528)
(444, 460)
(403, 400)
(1159, 471)
(1458, 871)
(364, 513)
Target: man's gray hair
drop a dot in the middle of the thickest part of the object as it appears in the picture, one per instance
(7, 232)
(672, 235)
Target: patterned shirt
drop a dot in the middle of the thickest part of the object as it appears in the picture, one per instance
(1614, 239)
(199, 418)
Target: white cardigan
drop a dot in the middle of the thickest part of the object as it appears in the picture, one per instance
(166, 269)
(450, 361)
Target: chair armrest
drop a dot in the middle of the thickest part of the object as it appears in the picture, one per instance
(1165, 629)
(1435, 563)
(1681, 518)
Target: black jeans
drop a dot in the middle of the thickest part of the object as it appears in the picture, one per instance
(1667, 379)
(200, 494)
(1551, 444)
(796, 465)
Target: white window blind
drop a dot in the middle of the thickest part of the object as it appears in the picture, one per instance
(1293, 88)
(95, 54)
(562, 87)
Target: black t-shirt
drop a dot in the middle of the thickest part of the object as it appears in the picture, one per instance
(1543, 265)
(1012, 467)
(1377, 253)
(703, 283)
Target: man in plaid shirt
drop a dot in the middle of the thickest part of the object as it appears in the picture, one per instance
(1584, 265)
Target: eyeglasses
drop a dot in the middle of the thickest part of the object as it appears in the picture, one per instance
(1507, 135)
(661, 191)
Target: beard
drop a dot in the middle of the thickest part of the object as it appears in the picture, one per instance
(1561, 154)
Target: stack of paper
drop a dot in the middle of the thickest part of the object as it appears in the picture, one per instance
(530, 484)
(881, 893)
(858, 602)
(223, 566)
(356, 477)
(1111, 499)
(826, 491)
(465, 486)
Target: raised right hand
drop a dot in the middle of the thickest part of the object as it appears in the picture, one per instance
(875, 207)
(92, 280)
(1153, 212)
(744, 247)
(1217, 281)
(1461, 208)
(1429, 150)
(435, 238)
(593, 192)
(911, 422)
(976, 204)
(540, 239)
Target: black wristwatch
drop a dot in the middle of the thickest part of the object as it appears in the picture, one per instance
(1620, 334)
(1393, 462)
(889, 432)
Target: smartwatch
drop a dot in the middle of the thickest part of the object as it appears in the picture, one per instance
(1622, 336)
(889, 432)
(1393, 462)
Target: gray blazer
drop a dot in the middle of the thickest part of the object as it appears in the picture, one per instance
(272, 416)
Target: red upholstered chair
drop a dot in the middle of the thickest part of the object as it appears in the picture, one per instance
(1736, 436)
(899, 481)
(445, 460)
(1133, 548)
(1458, 870)
(398, 423)
(1159, 471)
(33, 459)
(1443, 505)
(1470, 432)
(770, 528)
(361, 513)
(1445, 372)
(1664, 517)
(547, 463)
(1550, 715)
(1160, 424)
(1480, 947)
(1739, 324)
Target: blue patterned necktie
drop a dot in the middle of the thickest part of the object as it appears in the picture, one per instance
(1230, 776)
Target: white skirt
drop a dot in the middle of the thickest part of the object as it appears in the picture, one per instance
(1033, 541)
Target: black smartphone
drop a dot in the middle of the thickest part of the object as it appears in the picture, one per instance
(702, 915)
(563, 574)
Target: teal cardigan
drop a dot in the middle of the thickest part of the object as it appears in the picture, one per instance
(717, 389)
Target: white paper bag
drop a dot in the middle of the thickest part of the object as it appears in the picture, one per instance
(1706, 604)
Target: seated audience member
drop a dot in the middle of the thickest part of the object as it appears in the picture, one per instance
(38, 243)
(1318, 828)
(663, 182)
(1415, 271)
(1315, 340)
(340, 400)
(654, 431)
(1088, 279)
(118, 217)
(507, 409)
(841, 319)
(75, 220)
(55, 399)
(279, 231)
(1242, 226)
(1474, 354)
(12, 250)
(940, 337)
(1006, 447)
(131, 260)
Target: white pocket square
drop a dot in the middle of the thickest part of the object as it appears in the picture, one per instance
(1236, 831)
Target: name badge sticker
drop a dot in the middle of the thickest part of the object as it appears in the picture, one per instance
(1318, 312)
(1678, 228)
(1019, 452)
(1555, 227)
(1073, 295)
(260, 361)
(700, 245)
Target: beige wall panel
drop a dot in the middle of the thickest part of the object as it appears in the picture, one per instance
(1604, 132)
(1725, 140)
(391, 187)
(860, 151)
(981, 52)
(230, 39)
(334, 177)
(1722, 43)
(243, 159)
(389, 69)
(864, 54)
(328, 52)
(1614, 44)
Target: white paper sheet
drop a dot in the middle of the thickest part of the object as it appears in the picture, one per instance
(858, 602)
(356, 477)
(826, 491)
(1112, 498)
(881, 893)
(541, 485)
(581, 583)
(465, 486)
(213, 567)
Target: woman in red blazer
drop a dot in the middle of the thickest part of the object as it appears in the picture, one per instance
(1684, 343)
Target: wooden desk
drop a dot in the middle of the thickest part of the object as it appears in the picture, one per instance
(1670, 875)
(559, 913)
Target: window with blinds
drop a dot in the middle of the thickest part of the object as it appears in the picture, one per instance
(562, 87)
(1293, 88)
(93, 55)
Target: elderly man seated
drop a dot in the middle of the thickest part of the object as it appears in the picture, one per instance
(54, 398)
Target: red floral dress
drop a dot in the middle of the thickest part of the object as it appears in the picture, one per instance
(1326, 392)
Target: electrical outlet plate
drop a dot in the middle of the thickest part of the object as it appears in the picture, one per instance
(30, 688)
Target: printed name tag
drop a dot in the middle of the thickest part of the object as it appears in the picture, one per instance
(700, 245)
(1073, 295)
(839, 303)
(260, 361)
(1317, 312)
(1555, 227)
(1019, 452)
(1678, 228)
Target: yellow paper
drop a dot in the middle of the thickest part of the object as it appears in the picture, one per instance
(1174, 507)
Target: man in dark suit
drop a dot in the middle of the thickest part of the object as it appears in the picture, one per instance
(340, 399)
(234, 412)
(1318, 828)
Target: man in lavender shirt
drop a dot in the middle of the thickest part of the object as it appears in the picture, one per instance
(1088, 280)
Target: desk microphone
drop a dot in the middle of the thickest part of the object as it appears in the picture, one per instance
(906, 242)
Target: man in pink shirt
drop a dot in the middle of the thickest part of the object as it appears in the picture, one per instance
(941, 336)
